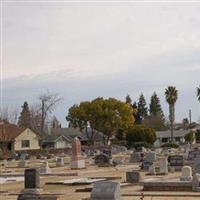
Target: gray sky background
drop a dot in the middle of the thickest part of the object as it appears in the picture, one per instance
(85, 50)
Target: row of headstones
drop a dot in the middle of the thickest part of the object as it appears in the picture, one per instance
(175, 161)
(101, 190)
(76, 159)
(150, 156)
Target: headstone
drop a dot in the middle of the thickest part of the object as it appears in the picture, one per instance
(5, 163)
(145, 165)
(133, 177)
(186, 174)
(196, 183)
(22, 163)
(45, 168)
(193, 154)
(32, 190)
(60, 162)
(102, 160)
(106, 190)
(165, 152)
(76, 160)
(135, 157)
(107, 152)
(176, 161)
(32, 179)
(197, 165)
(23, 156)
(163, 165)
(152, 169)
(150, 156)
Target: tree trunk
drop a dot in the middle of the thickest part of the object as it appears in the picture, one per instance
(42, 120)
(171, 118)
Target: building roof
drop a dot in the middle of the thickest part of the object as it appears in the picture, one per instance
(167, 134)
(71, 133)
(67, 132)
(54, 138)
(9, 132)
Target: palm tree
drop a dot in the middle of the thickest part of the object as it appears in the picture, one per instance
(198, 93)
(171, 95)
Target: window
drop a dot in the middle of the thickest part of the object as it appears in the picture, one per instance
(177, 139)
(25, 143)
(164, 140)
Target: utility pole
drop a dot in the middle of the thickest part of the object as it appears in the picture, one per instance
(190, 116)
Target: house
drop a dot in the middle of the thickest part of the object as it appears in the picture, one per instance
(62, 137)
(56, 141)
(165, 137)
(14, 138)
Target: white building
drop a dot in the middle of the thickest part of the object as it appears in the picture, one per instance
(165, 137)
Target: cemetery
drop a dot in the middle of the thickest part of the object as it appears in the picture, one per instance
(100, 100)
(103, 175)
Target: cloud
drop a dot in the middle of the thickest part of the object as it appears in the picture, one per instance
(84, 51)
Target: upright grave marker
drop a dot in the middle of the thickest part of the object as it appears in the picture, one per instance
(32, 190)
(76, 160)
(176, 161)
(163, 165)
(106, 190)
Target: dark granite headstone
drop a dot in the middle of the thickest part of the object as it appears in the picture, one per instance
(108, 152)
(102, 160)
(133, 177)
(106, 190)
(32, 179)
(193, 154)
(145, 165)
(175, 160)
(32, 189)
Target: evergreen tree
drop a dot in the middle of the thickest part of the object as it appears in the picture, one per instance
(142, 107)
(155, 107)
(136, 114)
(128, 99)
(156, 119)
(25, 116)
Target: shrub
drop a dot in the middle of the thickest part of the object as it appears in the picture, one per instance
(189, 137)
(197, 135)
(140, 134)
(139, 145)
(171, 145)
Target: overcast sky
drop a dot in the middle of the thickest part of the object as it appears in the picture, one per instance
(85, 50)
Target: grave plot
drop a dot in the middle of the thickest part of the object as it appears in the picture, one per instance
(176, 162)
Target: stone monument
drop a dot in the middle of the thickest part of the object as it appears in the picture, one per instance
(32, 190)
(197, 165)
(176, 161)
(150, 156)
(152, 169)
(60, 162)
(45, 168)
(106, 190)
(102, 160)
(163, 165)
(135, 157)
(22, 163)
(76, 160)
(133, 177)
(186, 174)
(196, 183)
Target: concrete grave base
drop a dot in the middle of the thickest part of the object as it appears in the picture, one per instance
(36, 197)
(77, 164)
(167, 186)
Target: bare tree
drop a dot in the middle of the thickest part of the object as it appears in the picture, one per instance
(48, 102)
(9, 114)
(35, 117)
